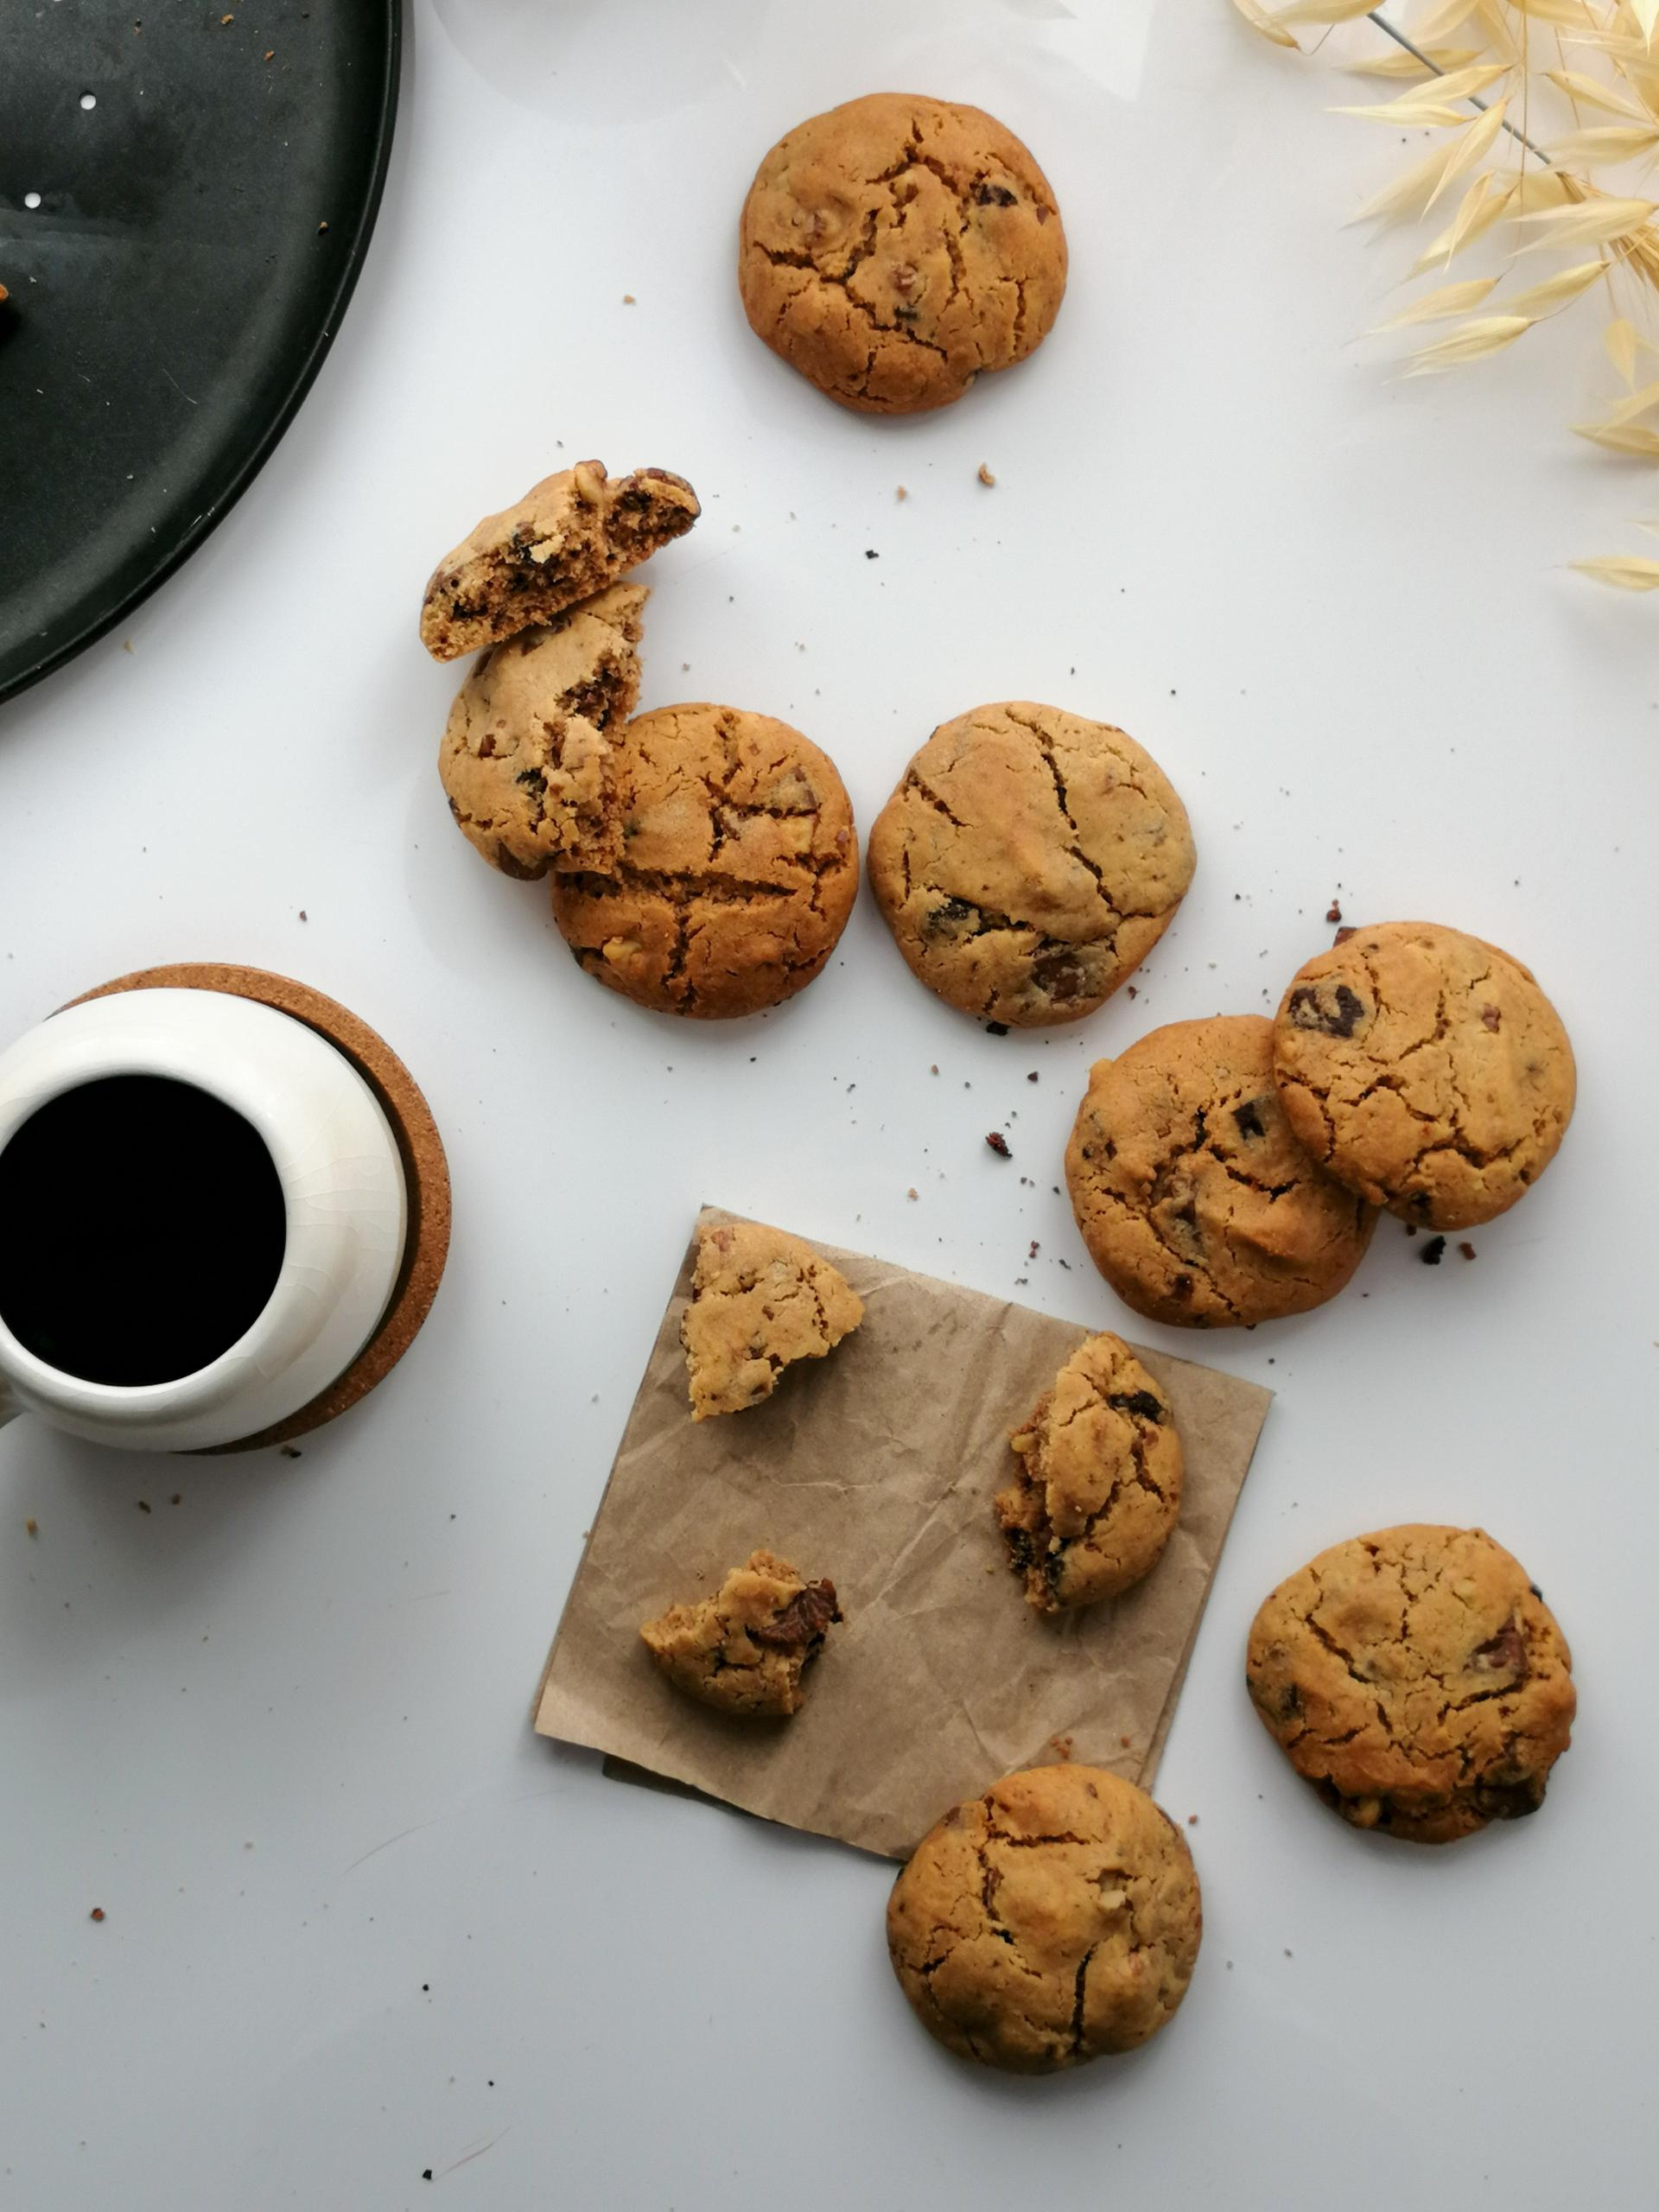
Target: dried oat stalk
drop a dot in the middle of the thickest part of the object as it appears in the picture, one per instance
(1550, 115)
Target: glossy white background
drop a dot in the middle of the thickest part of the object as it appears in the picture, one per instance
(359, 1922)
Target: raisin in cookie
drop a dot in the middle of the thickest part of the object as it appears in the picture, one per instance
(746, 1648)
(524, 758)
(1196, 1202)
(1417, 1679)
(1425, 1069)
(568, 537)
(737, 870)
(1028, 862)
(1099, 1481)
(1052, 1920)
(896, 246)
(760, 1299)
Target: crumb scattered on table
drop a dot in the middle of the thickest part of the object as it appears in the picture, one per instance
(985, 475)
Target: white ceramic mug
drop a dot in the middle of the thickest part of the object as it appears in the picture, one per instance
(343, 1187)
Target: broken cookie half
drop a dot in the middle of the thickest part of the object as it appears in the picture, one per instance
(570, 537)
(760, 1299)
(746, 1648)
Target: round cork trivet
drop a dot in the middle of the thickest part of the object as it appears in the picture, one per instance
(426, 1243)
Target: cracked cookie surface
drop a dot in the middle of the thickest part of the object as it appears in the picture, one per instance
(893, 248)
(1028, 862)
(1416, 1677)
(746, 1648)
(737, 869)
(760, 1299)
(566, 538)
(524, 758)
(1196, 1201)
(1427, 1069)
(1099, 1482)
(1052, 1921)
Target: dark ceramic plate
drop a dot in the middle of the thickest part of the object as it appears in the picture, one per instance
(184, 206)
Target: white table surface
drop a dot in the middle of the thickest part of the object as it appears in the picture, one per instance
(359, 1922)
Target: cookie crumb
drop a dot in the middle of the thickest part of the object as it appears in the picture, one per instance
(1333, 912)
(290, 1452)
(144, 1505)
(870, 553)
(985, 475)
(999, 1144)
(177, 1499)
(1467, 1249)
(1124, 1741)
(1192, 1820)
(1130, 989)
(226, 19)
(911, 1193)
(1032, 1078)
(628, 300)
(899, 492)
(303, 915)
(321, 227)
(31, 1527)
(97, 1912)
(996, 1029)
(1061, 1746)
(934, 1068)
(1434, 1252)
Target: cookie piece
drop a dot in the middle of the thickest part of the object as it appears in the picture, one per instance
(746, 1648)
(1426, 1070)
(737, 870)
(524, 758)
(1099, 1480)
(1028, 862)
(1196, 1202)
(1416, 1677)
(760, 1299)
(1052, 1920)
(893, 248)
(566, 538)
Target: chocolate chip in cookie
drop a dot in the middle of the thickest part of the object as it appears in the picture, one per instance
(894, 247)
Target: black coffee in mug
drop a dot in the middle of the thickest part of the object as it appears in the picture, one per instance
(142, 1229)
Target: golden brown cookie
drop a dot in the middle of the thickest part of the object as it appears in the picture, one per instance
(1099, 1481)
(746, 1648)
(524, 758)
(1416, 1677)
(568, 537)
(1028, 862)
(1425, 1069)
(737, 871)
(760, 1299)
(896, 246)
(1196, 1202)
(1052, 1920)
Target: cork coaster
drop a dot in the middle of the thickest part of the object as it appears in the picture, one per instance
(427, 1242)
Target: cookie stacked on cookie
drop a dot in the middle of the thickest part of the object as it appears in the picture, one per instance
(702, 858)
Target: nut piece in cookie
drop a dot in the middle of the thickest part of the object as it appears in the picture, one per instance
(737, 869)
(893, 248)
(1196, 1202)
(760, 1299)
(746, 1648)
(524, 759)
(1028, 862)
(1416, 1678)
(1425, 1069)
(1099, 1481)
(568, 537)
(1055, 1919)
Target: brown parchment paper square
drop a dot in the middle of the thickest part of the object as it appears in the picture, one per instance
(876, 1467)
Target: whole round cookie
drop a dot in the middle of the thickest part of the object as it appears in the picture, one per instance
(893, 248)
(737, 868)
(1196, 1202)
(1417, 1678)
(1052, 1920)
(1028, 860)
(1099, 1481)
(1425, 1069)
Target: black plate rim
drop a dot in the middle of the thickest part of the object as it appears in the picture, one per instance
(260, 451)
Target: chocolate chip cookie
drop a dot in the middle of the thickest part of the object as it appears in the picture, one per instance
(746, 1649)
(1028, 860)
(1426, 1070)
(896, 246)
(1099, 1481)
(568, 537)
(760, 1299)
(1050, 1921)
(524, 758)
(737, 869)
(1416, 1677)
(1196, 1202)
